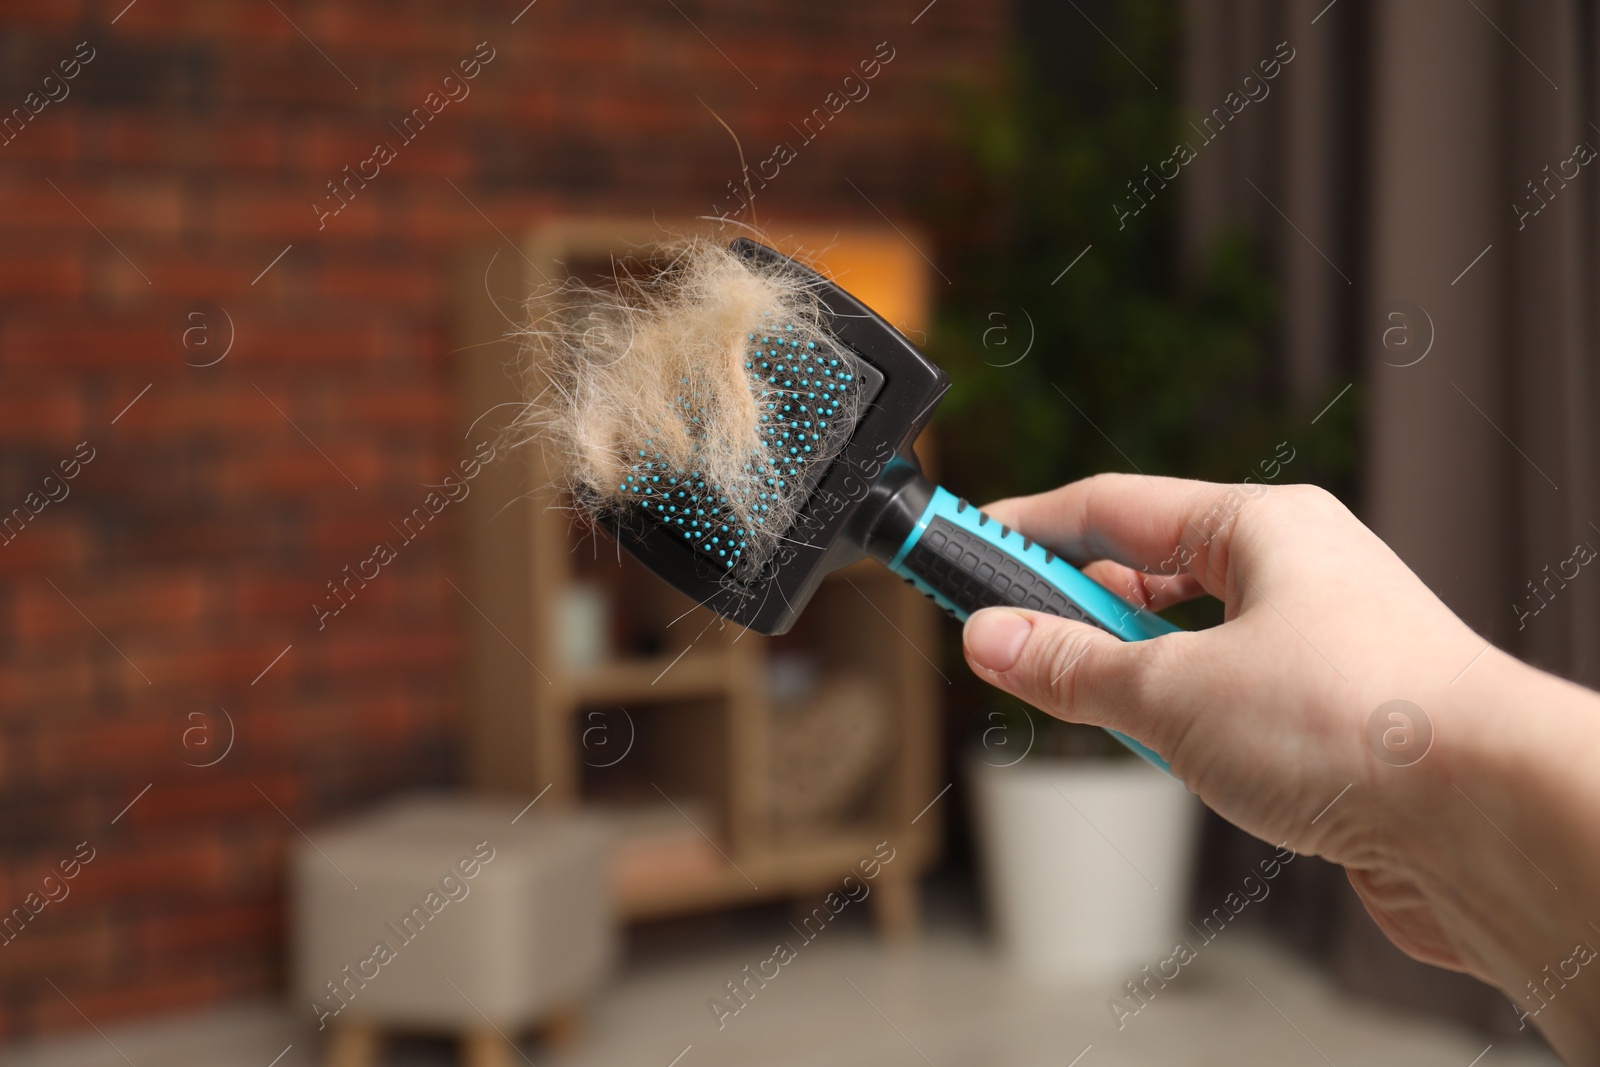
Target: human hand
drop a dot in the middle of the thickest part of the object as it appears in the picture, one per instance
(1265, 717)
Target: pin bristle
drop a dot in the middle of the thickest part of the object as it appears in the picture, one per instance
(701, 394)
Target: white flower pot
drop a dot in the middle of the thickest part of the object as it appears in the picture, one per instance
(1087, 863)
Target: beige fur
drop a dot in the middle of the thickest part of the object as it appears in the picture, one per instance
(630, 369)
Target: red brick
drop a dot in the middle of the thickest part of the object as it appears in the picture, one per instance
(253, 976)
(541, 106)
(289, 76)
(348, 538)
(401, 654)
(246, 145)
(443, 216)
(295, 469)
(240, 145)
(43, 823)
(320, 149)
(41, 617)
(67, 680)
(168, 871)
(258, 26)
(176, 599)
(414, 471)
(215, 667)
(131, 140)
(64, 12)
(55, 136)
(118, 999)
(60, 343)
(201, 536)
(258, 855)
(182, 279)
(418, 287)
(281, 730)
(128, 207)
(217, 931)
(416, 408)
(152, 599)
(184, 411)
(398, 720)
(28, 203)
(250, 25)
(45, 412)
(437, 154)
(66, 547)
(288, 348)
(117, 281)
(59, 942)
(265, 598)
(208, 798)
(375, 29)
(112, 748)
(289, 213)
(40, 273)
(171, 18)
(373, 601)
(53, 860)
(286, 792)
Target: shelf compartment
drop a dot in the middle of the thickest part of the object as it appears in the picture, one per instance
(697, 673)
(678, 874)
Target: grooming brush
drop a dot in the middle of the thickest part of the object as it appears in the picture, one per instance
(852, 491)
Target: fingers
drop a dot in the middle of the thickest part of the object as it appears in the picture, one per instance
(1157, 592)
(1069, 669)
(1167, 525)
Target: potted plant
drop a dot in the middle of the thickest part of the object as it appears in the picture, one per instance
(1078, 343)
(1087, 855)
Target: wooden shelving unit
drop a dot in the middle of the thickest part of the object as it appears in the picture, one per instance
(689, 695)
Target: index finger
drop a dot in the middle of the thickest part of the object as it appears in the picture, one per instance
(1168, 525)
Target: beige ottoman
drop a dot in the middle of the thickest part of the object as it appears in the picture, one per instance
(448, 913)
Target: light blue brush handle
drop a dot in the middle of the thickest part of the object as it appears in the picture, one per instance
(963, 560)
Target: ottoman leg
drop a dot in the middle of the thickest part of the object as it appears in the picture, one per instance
(353, 1044)
(562, 1028)
(898, 909)
(486, 1048)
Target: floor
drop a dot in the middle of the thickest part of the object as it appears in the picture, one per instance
(846, 1001)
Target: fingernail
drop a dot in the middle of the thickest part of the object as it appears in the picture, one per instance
(995, 636)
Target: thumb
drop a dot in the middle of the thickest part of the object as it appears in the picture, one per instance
(1070, 669)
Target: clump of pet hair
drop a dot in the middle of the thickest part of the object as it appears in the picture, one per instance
(658, 370)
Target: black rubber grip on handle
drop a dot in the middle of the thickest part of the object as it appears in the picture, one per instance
(972, 573)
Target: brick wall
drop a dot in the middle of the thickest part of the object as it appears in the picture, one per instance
(164, 581)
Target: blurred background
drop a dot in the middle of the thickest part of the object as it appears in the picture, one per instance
(301, 659)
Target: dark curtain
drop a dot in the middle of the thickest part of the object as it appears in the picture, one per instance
(1387, 178)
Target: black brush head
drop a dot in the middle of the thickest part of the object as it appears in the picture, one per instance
(896, 389)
